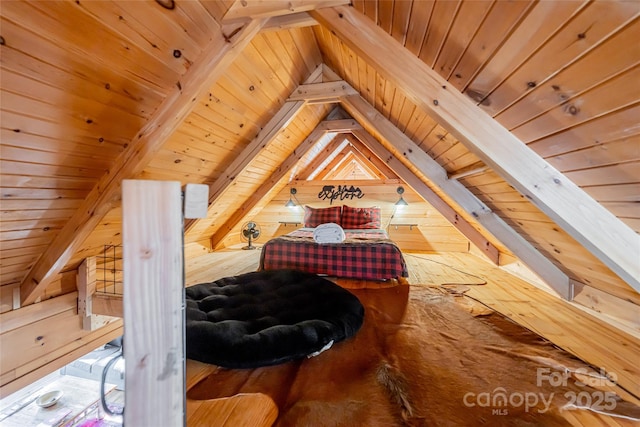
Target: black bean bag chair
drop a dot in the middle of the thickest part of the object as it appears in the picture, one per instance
(267, 317)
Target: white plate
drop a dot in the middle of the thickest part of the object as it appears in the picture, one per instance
(49, 398)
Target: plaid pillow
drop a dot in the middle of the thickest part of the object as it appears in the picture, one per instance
(357, 218)
(313, 217)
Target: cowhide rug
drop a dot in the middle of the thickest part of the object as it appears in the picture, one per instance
(420, 359)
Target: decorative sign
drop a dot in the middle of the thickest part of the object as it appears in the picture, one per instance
(342, 192)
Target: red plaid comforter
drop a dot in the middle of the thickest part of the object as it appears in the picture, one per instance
(364, 254)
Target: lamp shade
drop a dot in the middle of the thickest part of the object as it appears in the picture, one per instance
(401, 201)
(291, 203)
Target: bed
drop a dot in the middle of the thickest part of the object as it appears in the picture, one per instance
(366, 252)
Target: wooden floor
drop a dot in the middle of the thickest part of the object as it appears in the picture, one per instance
(568, 327)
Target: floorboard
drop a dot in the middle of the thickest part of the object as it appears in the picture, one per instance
(606, 348)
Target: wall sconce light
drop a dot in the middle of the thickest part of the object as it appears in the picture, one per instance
(292, 195)
(401, 201)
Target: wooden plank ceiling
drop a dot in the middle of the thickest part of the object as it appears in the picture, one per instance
(97, 91)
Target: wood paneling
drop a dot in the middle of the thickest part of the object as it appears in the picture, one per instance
(591, 337)
(41, 334)
(431, 233)
(80, 79)
(604, 101)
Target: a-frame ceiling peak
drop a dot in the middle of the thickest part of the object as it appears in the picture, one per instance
(348, 164)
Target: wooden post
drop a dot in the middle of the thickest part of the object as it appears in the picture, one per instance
(86, 285)
(153, 303)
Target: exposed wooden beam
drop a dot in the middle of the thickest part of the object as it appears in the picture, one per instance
(170, 114)
(620, 312)
(266, 186)
(108, 305)
(538, 263)
(323, 92)
(271, 8)
(366, 162)
(598, 230)
(429, 195)
(469, 172)
(284, 22)
(334, 158)
(15, 319)
(340, 126)
(375, 160)
(320, 158)
(274, 126)
(30, 372)
(335, 170)
(86, 285)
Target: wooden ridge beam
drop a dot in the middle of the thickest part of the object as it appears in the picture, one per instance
(274, 126)
(583, 218)
(222, 232)
(170, 114)
(429, 195)
(538, 263)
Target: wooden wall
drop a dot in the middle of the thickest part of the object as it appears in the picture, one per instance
(562, 76)
(43, 338)
(431, 233)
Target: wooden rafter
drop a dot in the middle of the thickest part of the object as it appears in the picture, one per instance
(364, 162)
(221, 52)
(347, 157)
(266, 186)
(530, 256)
(583, 218)
(321, 157)
(153, 270)
(267, 9)
(337, 158)
(375, 160)
(355, 151)
(275, 125)
(430, 196)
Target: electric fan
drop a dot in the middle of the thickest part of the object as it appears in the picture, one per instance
(250, 232)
